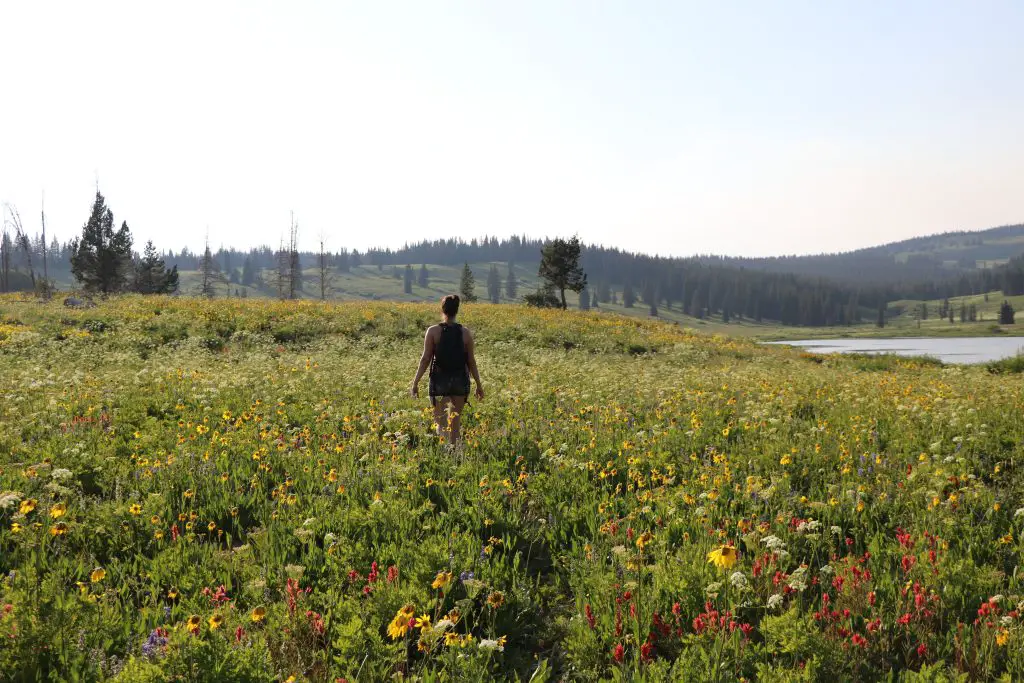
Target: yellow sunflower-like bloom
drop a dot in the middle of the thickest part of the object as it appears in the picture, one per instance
(28, 505)
(399, 626)
(442, 580)
(98, 574)
(723, 557)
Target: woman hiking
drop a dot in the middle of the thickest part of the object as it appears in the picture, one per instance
(448, 350)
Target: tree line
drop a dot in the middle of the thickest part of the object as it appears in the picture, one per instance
(102, 260)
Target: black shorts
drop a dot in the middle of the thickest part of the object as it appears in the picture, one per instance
(443, 384)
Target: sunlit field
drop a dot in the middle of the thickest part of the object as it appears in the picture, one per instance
(244, 490)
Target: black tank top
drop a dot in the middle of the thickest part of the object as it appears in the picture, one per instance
(450, 352)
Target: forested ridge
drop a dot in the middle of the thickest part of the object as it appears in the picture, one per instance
(824, 289)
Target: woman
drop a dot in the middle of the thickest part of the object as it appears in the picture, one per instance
(448, 350)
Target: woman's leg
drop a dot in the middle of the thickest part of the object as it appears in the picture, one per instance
(440, 402)
(456, 404)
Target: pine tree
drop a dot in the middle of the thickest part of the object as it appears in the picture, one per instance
(881, 315)
(102, 258)
(210, 274)
(494, 285)
(594, 303)
(1006, 314)
(511, 285)
(560, 266)
(248, 272)
(604, 293)
(407, 279)
(584, 299)
(152, 276)
(424, 277)
(628, 297)
(467, 284)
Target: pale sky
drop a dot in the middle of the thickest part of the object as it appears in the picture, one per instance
(738, 127)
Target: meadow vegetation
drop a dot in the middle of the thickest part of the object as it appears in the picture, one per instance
(243, 490)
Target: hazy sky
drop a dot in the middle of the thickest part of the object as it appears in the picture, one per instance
(743, 128)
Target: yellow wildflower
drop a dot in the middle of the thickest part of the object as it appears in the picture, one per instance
(98, 574)
(28, 505)
(723, 557)
(215, 621)
(442, 580)
(399, 626)
(258, 614)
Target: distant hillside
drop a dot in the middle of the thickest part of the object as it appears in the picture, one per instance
(935, 257)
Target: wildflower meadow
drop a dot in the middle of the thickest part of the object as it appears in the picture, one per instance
(243, 490)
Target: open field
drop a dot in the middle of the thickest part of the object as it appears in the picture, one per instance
(243, 490)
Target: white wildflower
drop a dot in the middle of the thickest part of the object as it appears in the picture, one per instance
(774, 601)
(9, 499)
(738, 580)
(61, 474)
(488, 644)
(810, 526)
(798, 579)
(773, 543)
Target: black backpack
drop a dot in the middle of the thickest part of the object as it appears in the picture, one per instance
(450, 353)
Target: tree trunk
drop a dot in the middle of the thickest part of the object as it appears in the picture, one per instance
(561, 291)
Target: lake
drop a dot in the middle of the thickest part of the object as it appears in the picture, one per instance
(946, 349)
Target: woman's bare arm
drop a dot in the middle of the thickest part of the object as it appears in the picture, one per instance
(428, 355)
(471, 363)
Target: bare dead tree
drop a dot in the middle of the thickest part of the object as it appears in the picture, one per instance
(21, 238)
(47, 287)
(324, 269)
(281, 276)
(294, 268)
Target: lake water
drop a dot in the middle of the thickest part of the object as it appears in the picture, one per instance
(946, 349)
